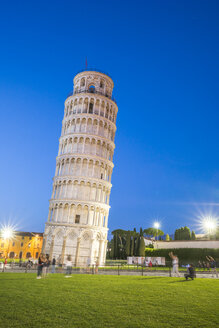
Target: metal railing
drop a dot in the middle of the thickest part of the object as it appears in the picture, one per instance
(116, 269)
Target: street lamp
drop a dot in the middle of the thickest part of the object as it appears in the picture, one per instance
(7, 233)
(209, 224)
(157, 226)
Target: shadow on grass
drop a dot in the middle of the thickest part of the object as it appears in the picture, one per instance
(148, 277)
(184, 280)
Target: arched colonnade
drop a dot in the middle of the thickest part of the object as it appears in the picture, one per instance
(78, 214)
(89, 125)
(85, 167)
(89, 244)
(91, 105)
(83, 190)
(86, 145)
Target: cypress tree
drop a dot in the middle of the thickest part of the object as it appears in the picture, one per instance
(193, 237)
(167, 237)
(141, 232)
(114, 247)
(132, 246)
(187, 233)
(112, 250)
(176, 235)
(137, 245)
(128, 244)
(142, 247)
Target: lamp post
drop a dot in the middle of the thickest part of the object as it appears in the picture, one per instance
(7, 233)
(157, 226)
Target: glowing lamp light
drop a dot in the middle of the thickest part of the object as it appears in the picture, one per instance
(209, 224)
(156, 225)
(7, 232)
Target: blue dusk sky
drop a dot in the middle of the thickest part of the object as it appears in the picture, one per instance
(163, 58)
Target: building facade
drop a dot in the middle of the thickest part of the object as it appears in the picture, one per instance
(77, 223)
(23, 245)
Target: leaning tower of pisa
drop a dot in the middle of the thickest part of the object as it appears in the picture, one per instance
(79, 206)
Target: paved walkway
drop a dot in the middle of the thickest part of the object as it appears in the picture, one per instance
(154, 273)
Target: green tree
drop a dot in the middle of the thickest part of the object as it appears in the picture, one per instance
(137, 244)
(128, 244)
(187, 233)
(132, 245)
(193, 236)
(142, 247)
(183, 233)
(176, 234)
(153, 232)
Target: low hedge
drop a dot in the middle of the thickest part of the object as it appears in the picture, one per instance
(185, 255)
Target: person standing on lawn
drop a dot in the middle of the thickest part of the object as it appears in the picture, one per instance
(44, 266)
(68, 267)
(175, 263)
(53, 265)
(40, 266)
(47, 264)
(97, 265)
(213, 265)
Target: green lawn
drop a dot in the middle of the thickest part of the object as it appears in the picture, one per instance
(107, 301)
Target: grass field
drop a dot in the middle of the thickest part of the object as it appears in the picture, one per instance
(107, 301)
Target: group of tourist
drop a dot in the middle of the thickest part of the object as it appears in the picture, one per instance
(211, 264)
(43, 266)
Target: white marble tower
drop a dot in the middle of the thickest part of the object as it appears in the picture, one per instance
(79, 206)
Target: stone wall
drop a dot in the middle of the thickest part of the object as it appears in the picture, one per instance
(187, 244)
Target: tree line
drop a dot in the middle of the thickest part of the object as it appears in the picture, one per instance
(126, 243)
(130, 242)
(184, 233)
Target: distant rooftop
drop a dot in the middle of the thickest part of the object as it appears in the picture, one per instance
(29, 234)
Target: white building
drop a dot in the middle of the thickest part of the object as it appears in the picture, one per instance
(79, 206)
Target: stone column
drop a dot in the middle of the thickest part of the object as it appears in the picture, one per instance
(66, 187)
(63, 250)
(100, 251)
(93, 169)
(49, 215)
(53, 212)
(94, 216)
(106, 220)
(91, 251)
(88, 215)
(56, 214)
(51, 247)
(104, 251)
(77, 251)
(57, 169)
(69, 213)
